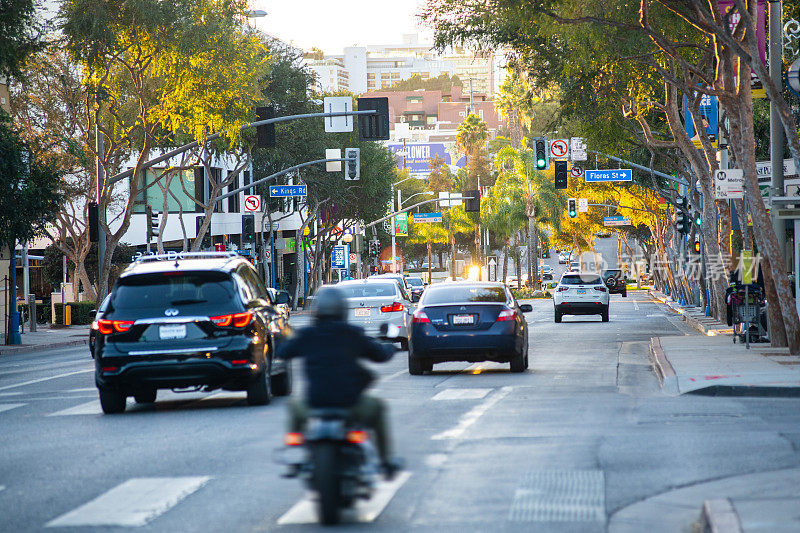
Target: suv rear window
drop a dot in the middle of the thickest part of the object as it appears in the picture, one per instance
(586, 279)
(415, 282)
(446, 295)
(174, 289)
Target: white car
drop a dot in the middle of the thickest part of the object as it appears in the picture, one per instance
(563, 257)
(581, 293)
(575, 266)
(373, 301)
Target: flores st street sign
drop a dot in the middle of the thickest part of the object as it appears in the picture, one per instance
(620, 174)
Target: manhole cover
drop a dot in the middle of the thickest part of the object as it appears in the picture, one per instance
(560, 496)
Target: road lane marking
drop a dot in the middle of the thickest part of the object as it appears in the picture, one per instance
(461, 394)
(88, 408)
(31, 382)
(635, 305)
(304, 511)
(9, 406)
(133, 503)
(435, 460)
(87, 389)
(472, 416)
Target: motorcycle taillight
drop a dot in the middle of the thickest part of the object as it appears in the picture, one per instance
(294, 439)
(357, 436)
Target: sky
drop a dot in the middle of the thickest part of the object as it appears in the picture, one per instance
(333, 24)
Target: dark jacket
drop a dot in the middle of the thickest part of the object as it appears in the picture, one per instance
(331, 350)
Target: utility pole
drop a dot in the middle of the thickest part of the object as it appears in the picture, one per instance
(101, 211)
(775, 128)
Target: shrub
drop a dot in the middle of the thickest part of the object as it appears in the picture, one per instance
(79, 310)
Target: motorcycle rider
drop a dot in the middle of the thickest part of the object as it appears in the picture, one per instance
(335, 379)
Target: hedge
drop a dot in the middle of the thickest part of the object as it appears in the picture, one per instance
(80, 313)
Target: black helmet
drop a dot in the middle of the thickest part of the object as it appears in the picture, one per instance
(330, 304)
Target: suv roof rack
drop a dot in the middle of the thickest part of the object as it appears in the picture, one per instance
(175, 256)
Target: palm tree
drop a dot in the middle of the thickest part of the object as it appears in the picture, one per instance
(503, 211)
(456, 220)
(515, 101)
(471, 138)
(428, 234)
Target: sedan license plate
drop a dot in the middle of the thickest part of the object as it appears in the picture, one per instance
(581, 291)
(177, 331)
(459, 320)
(362, 311)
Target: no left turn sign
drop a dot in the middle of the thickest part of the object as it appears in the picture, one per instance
(559, 148)
(576, 172)
(252, 202)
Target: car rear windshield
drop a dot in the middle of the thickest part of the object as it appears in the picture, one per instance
(414, 282)
(369, 290)
(175, 289)
(585, 279)
(446, 295)
(612, 273)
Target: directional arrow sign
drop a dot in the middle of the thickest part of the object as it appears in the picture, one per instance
(620, 174)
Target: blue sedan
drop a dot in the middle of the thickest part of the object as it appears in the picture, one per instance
(468, 321)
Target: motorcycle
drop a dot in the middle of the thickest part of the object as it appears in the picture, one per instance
(335, 457)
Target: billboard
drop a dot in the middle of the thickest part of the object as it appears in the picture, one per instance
(418, 155)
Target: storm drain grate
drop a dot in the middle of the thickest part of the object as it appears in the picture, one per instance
(560, 496)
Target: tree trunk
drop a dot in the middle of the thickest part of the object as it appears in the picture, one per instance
(533, 249)
(453, 256)
(507, 249)
(429, 246)
(777, 330)
(478, 262)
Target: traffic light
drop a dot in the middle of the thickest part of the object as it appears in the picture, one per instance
(94, 222)
(681, 223)
(696, 245)
(541, 154)
(374, 248)
(698, 219)
(572, 207)
(249, 228)
(352, 167)
(374, 127)
(265, 135)
(561, 174)
(373, 269)
(473, 205)
(152, 223)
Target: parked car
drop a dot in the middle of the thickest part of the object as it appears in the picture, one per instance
(275, 295)
(575, 266)
(191, 322)
(581, 293)
(615, 281)
(374, 301)
(97, 316)
(468, 321)
(545, 272)
(563, 257)
(603, 234)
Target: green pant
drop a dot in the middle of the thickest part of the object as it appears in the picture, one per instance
(369, 411)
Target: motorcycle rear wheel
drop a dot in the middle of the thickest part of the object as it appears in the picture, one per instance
(328, 483)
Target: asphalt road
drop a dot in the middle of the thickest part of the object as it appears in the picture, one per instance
(584, 433)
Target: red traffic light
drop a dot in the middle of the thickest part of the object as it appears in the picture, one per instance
(697, 246)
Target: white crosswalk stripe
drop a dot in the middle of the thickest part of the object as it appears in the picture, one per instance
(88, 408)
(304, 511)
(9, 406)
(462, 394)
(133, 503)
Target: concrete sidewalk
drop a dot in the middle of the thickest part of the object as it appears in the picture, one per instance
(765, 501)
(694, 316)
(47, 339)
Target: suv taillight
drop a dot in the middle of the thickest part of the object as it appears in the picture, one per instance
(396, 306)
(237, 320)
(601, 289)
(562, 289)
(419, 317)
(107, 327)
(506, 314)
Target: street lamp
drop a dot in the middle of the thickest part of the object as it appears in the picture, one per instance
(255, 13)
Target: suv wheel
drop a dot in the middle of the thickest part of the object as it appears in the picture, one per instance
(604, 314)
(558, 317)
(148, 396)
(625, 292)
(112, 401)
(259, 391)
(282, 383)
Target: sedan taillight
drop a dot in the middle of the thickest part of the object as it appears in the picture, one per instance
(396, 306)
(419, 317)
(506, 314)
(562, 289)
(601, 289)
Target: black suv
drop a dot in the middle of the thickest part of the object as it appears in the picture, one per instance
(615, 281)
(188, 322)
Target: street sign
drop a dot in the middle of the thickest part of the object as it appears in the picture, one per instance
(620, 174)
(401, 225)
(252, 202)
(338, 104)
(576, 172)
(618, 220)
(492, 262)
(426, 218)
(559, 148)
(340, 257)
(583, 205)
(268, 254)
(353, 257)
(283, 191)
(728, 184)
(333, 153)
(577, 149)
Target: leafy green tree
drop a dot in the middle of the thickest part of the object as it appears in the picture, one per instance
(428, 234)
(443, 82)
(19, 35)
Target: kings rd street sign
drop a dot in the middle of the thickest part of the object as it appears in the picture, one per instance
(619, 174)
(283, 191)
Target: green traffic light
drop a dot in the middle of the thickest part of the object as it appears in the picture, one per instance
(540, 163)
(698, 220)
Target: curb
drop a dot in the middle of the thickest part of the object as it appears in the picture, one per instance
(692, 321)
(11, 350)
(663, 368)
(719, 516)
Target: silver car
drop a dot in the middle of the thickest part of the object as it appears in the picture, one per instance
(372, 302)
